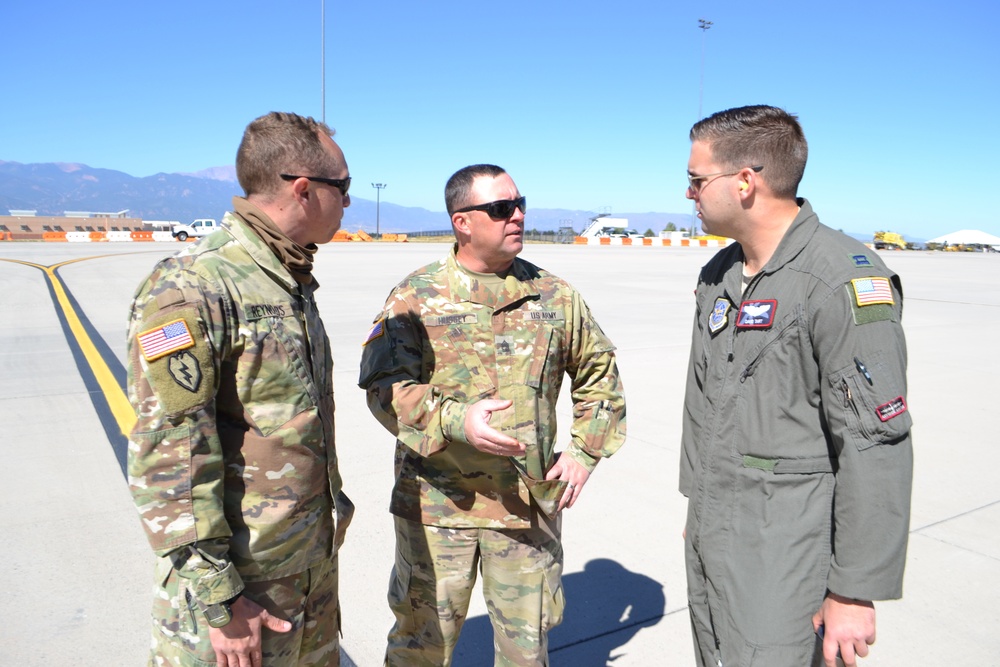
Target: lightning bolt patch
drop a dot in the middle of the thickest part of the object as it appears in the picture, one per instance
(184, 369)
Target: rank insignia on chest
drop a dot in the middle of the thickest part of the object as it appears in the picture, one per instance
(757, 314)
(718, 320)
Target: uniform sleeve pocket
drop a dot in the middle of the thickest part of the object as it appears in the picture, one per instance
(874, 403)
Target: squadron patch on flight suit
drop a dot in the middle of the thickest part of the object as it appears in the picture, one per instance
(757, 314)
(718, 320)
(893, 408)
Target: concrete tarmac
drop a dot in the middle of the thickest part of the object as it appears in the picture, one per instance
(77, 571)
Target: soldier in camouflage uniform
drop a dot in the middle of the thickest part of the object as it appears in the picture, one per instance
(232, 462)
(464, 366)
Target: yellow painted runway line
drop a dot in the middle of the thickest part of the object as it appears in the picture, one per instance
(118, 403)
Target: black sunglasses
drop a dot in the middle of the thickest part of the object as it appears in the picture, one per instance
(342, 184)
(500, 209)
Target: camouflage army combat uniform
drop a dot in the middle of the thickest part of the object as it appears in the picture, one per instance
(232, 462)
(443, 342)
(796, 451)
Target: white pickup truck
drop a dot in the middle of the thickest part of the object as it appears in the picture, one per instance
(200, 227)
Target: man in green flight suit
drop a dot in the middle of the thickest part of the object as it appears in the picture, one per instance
(232, 461)
(464, 366)
(796, 456)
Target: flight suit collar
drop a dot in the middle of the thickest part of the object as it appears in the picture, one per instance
(800, 232)
(517, 287)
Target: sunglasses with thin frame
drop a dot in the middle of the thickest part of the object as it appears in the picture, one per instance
(342, 184)
(500, 209)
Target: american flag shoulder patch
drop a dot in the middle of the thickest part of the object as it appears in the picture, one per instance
(377, 330)
(162, 340)
(868, 291)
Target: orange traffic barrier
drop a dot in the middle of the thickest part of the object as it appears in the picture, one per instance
(580, 240)
(401, 238)
(98, 236)
(627, 241)
(388, 237)
(605, 240)
(362, 235)
(140, 235)
(53, 236)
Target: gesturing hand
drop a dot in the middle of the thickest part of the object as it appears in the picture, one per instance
(484, 437)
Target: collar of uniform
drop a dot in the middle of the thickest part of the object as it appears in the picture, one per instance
(260, 252)
(803, 228)
(517, 287)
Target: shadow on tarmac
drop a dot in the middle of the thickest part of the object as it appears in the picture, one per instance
(606, 605)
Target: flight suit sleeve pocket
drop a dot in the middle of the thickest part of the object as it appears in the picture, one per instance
(874, 404)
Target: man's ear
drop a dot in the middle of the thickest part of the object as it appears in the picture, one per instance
(300, 190)
(460, 221)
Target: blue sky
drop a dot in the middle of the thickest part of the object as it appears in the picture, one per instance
(587, 104)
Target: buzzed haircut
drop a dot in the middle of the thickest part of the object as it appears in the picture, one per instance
(456, 191)
(757, 135)
(282, 143)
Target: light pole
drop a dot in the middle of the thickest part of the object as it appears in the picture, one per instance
(378, 202)
(322, 57)
(704, 25)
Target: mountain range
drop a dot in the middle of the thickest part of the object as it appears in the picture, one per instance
(54, 188)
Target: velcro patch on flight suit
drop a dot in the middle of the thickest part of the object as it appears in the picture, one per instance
(893, 408)
(869, 291)
(718, 320)
(182, 376)
(877, 312)
(860, 260)
(758, 314)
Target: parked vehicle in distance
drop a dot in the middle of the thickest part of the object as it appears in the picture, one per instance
(200, 227)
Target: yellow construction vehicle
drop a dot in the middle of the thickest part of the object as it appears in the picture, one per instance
(889, 241)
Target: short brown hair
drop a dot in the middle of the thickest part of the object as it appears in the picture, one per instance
(757, 135)
(456, 191)
(282, 143)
